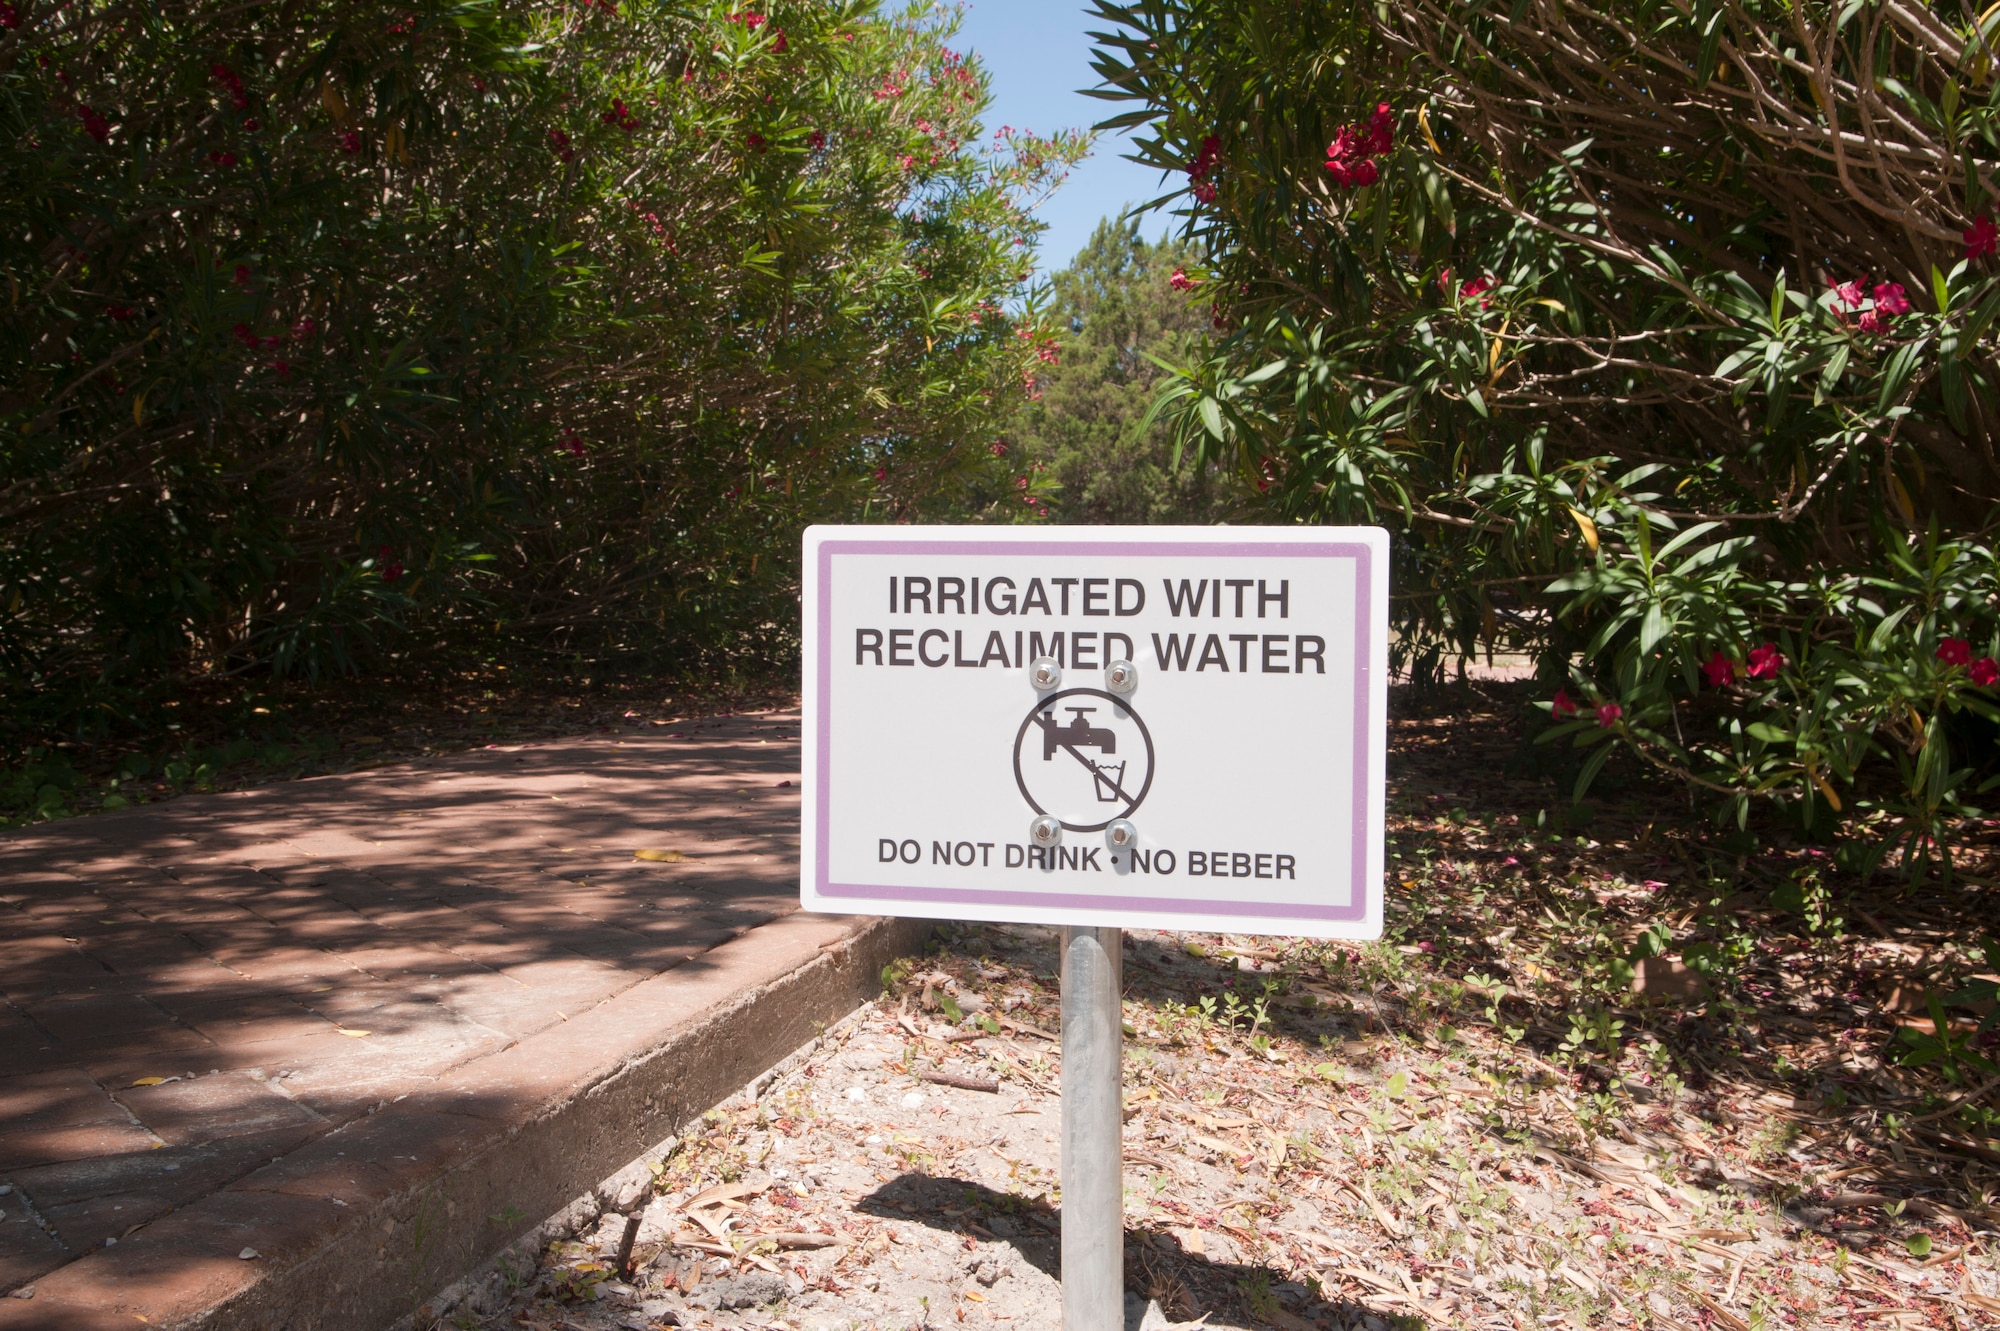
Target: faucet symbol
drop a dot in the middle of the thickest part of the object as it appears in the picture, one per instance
(1079, 734)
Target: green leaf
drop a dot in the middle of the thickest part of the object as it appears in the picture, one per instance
(1398, 1085)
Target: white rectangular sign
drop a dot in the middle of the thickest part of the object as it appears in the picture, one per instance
(1242, 758)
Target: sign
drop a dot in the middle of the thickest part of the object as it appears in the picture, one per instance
(1204, 750)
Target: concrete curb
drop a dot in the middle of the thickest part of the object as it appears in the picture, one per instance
(360, 1227)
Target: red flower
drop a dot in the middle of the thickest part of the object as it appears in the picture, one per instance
(251, 124)
(816, 140)
(1477, 289)
(94, 124)
(1889, 298)
(231, 84)
(1851, 293)
(1719, 670)
(350, 141)
(998, 448)
(120, 312)
(1381, 130)
(572, 443)
(748, 20)
(243, 334)
(1347, 157)
(778, 42)
(10, 17)
(755, 141)
(282, 367)
(1608, 714)
(242, 275)
(1562, 704)
(1765, 661)
(881, 473)
(618, 115)
(1180, 281)
(1982, 237)
(560, 142)
(1955, 652)
(1202, 169)
(1985, 672)
(305, 327)
(1444, 281)
(222, 158)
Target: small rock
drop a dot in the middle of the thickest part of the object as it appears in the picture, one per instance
(249, 1255)
(856, 1094)
(914, 1100)
(989, 1273)
(25, 1292)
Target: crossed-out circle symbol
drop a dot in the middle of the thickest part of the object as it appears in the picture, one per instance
(1112, 796)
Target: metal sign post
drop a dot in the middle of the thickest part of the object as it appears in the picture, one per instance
(1099, 728)
(1093, 1154)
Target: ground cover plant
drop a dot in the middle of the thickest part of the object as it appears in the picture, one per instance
(346, 335)
(1522, 1107)
(1662, 334)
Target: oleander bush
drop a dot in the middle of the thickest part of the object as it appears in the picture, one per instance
(344, 334)
(1662, 332)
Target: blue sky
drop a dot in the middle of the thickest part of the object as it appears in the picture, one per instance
(1038, 56)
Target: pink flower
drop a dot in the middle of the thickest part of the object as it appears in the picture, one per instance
(619, 116)
(1985, 672)
(1180, 281)
(1562, 704)
(778, 42)
(572, 443)
(1851, 293)
(390, 569)
(242, 278)
(998, 448)
(560, 142)
(282, 368)
(1608, 714)
(1719, 670)
(94, 124)
(1426, 945)
(1872, 321)
(222, 158)
(747, 19)
(10, 17)
(1889, 298)
(120, 312)
(816, 140)
(305, 327)
(350, 141)
(881, 473)
(1982, 237)
(243, 334)
(755, 141)
(252, 124)
(1955, 652)
(1477, 288)
(1765, 661)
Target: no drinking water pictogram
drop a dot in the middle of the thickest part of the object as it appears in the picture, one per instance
(1089, 769)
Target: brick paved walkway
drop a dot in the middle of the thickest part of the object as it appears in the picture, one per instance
(192, 989)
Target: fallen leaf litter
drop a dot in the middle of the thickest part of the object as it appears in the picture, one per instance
(1480, 1121)
(1272, 1180)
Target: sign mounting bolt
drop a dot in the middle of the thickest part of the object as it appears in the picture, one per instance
(1044, 673)
(1120, 833)
(1045, 831)
(1121, 677)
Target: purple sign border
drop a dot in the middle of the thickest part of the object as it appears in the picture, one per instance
(1357, 907)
